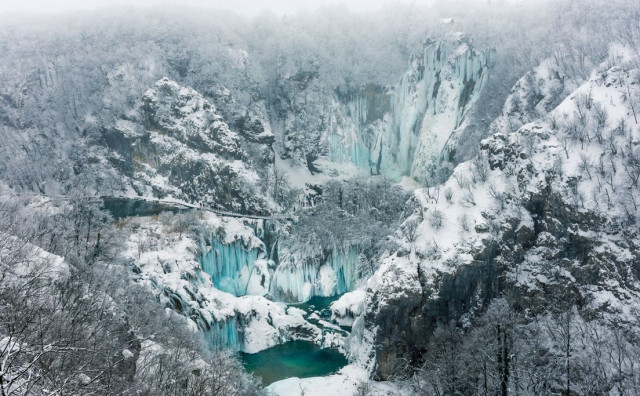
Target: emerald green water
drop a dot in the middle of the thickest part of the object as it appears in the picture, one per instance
(319, 305)
(293, 359)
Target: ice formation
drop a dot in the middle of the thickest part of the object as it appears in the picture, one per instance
(298, 282)
(233, 268)
(417, 123)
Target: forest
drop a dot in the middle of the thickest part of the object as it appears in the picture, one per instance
(446, 195)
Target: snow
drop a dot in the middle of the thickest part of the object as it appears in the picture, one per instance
(348, 307)
(345, 382)
(409, 183)
(127, 128)
(84, 379)
(300, 177)
(33, 259)
(296, 312)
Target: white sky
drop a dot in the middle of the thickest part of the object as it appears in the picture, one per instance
(245, 7)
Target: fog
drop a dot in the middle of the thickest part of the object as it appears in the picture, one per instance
(244, 7)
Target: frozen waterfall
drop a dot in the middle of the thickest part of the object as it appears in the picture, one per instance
(224, 333)
(408, 129)
(235, 268)
(294, 282)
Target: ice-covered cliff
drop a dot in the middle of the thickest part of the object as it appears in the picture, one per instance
(403, 129)
(431, 105)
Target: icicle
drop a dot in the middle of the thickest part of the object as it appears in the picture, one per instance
(225, 333)
(230, 266)
(298, 283)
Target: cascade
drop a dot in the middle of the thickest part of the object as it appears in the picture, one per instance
(409, 132)
(232, 267)
(224, 333)
(355, 125)
(293, 282)
(270, 239)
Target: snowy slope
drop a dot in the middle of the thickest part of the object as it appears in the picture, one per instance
(550, 210)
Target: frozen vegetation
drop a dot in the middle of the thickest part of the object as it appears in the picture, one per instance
(447, 196)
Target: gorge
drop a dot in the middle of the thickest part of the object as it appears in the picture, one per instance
(422, 200)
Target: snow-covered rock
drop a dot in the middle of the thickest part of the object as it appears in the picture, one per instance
(182, 148)
(349, 306)
(543, 215)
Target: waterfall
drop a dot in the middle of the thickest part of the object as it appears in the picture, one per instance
(224, 333)
(406, 130)
(235, 268)
(293, 282)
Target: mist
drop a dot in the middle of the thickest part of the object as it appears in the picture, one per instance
(243, 7)
(248, 8)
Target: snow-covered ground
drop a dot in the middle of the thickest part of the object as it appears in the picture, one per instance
(348, 381)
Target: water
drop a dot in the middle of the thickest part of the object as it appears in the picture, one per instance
(121, 208)
(300, 359)
(319, 305)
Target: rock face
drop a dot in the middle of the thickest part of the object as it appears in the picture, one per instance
(182, 147)
(545, 217)
(399, 130)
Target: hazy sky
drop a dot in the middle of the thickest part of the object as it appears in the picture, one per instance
(246, 7)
